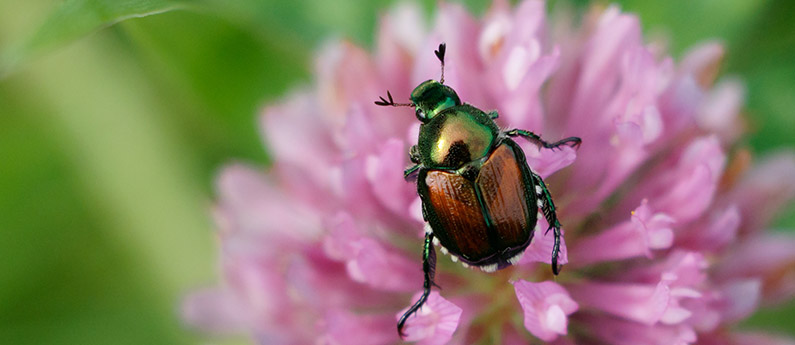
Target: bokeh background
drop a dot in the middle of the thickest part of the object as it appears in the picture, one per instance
(115, 116)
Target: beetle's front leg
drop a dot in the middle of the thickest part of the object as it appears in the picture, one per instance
(429, 268)
(414, 156)
(548, 208)
(536, 139)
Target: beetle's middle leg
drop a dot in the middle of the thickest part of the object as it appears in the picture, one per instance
(409, 173)
(429, 268)
(548, 208)
(536, 139)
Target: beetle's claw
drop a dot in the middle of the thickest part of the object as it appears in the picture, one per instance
(573, 142)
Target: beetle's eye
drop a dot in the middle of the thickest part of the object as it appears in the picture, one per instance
(420, 114)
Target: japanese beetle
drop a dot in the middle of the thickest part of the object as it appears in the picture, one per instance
(480, 199)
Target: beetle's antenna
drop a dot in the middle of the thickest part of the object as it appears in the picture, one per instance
(383, 102)
(440, 55)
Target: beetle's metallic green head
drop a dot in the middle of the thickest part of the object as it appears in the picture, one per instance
(432, 97)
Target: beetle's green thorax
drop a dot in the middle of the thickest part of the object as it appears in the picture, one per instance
(431, 97)
(455, 137)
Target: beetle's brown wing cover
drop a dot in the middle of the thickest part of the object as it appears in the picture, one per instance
(455, 214)
(503, 183)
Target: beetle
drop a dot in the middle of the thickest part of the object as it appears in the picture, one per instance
(480, 199)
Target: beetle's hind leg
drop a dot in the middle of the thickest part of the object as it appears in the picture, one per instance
(429, 268)
(536, 139)
(548, 208)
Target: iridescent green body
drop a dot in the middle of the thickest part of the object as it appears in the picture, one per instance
(432, 97)
(452, 134)
(456, 136)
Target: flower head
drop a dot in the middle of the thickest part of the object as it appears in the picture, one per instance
(662, 220)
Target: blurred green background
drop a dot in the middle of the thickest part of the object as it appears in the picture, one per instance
(116, 115)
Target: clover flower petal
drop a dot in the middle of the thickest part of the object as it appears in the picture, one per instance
(664, 218)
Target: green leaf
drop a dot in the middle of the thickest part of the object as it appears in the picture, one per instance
(74, 19)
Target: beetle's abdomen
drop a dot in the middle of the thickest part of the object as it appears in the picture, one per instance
(488, 221)
(502, 186)
(458, 215)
